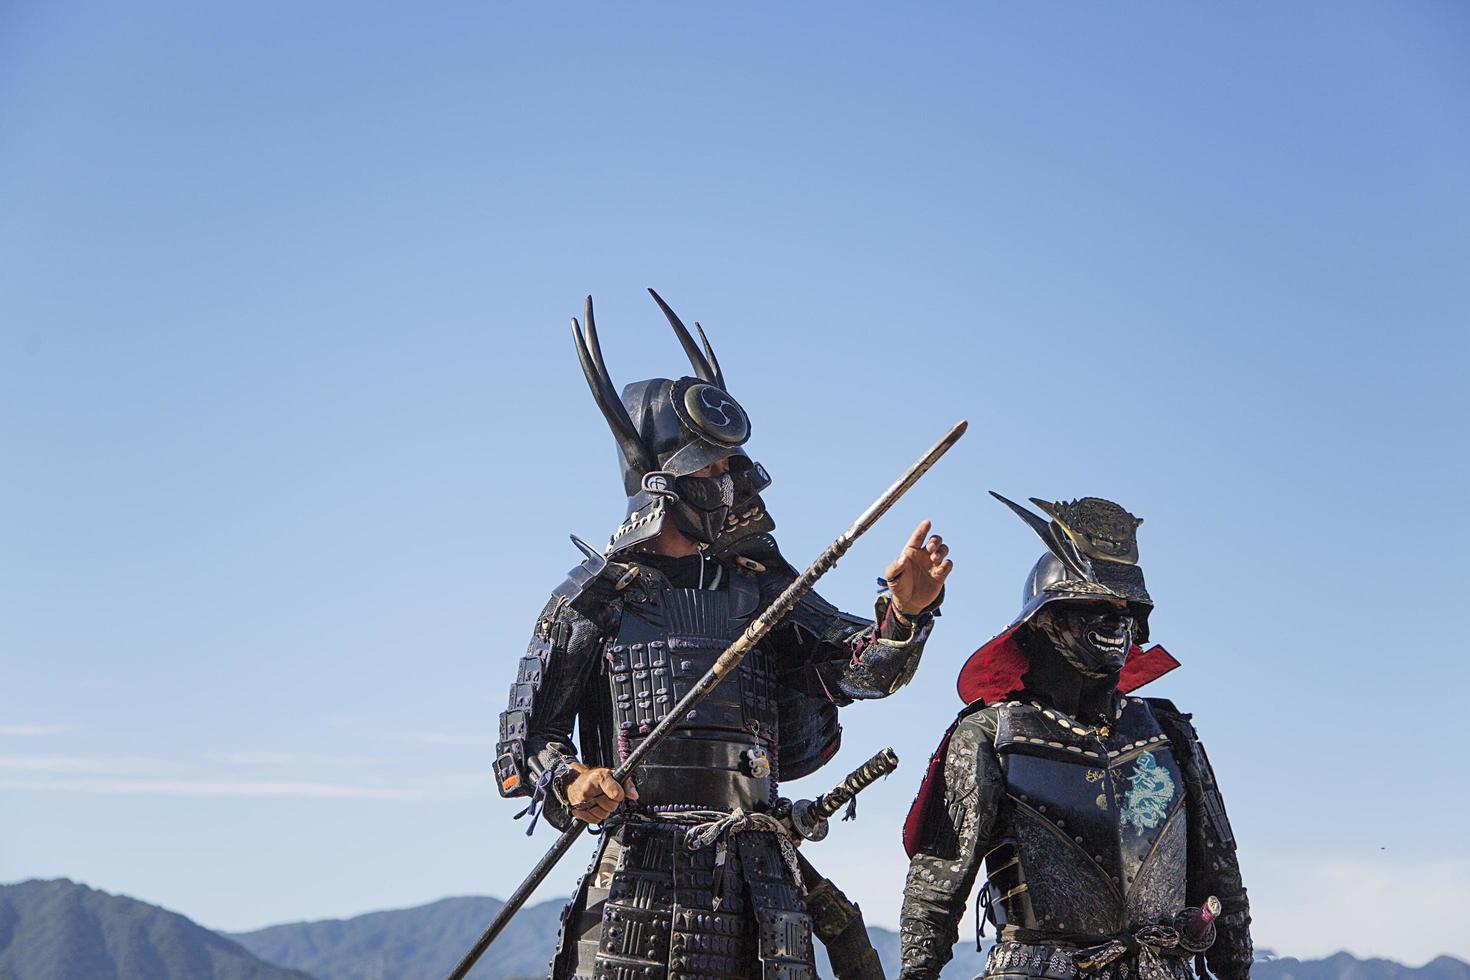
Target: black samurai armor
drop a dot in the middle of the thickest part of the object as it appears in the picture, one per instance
(697, 880)
(1094, 813)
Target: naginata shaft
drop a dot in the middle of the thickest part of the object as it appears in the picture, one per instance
(763, 623)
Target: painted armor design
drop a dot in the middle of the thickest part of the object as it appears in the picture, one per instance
(1095, 838)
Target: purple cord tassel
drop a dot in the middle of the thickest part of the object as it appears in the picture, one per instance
(538, 797)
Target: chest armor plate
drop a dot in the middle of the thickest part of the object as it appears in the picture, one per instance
(721, 754)
(1095, 837)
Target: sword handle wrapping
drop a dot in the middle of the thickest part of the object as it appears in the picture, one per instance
(860, 779)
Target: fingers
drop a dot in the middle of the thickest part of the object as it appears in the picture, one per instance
(591, 812)
(941, 571)
(937, 549)
(595, 795)
(632, 789)
(916, 540)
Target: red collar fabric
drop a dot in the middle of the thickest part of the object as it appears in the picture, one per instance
(994, 671)
(992, 674)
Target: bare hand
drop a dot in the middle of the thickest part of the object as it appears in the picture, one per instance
(594, 794)
(917, 575)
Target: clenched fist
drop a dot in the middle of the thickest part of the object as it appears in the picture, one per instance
(917, 575)
(594, 794)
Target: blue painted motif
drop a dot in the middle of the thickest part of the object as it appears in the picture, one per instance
(1150, 788)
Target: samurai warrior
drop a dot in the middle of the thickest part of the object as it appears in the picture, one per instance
(1104, 837)
(694, 877)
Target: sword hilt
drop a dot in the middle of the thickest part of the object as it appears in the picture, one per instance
(858, 780)
(809, 817)
(1197, 926)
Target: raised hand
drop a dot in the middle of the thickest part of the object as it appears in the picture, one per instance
(917, 575)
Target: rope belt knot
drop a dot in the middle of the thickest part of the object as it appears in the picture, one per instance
(719, 831)
(1151, 944)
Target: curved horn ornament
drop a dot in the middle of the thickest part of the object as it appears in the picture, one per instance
(1056, 543)
(709, 355)
(704, 369)
(589, 354)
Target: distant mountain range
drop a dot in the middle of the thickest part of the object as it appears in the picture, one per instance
(1342, 966)
(425, 943)
(59, 930)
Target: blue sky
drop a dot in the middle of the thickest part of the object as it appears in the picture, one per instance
(292, 432)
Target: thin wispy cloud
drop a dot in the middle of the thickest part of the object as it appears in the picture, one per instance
(444, 738)
(140, 776)
(446, 787)
(86, 765)
(297, 760)
(33, 731)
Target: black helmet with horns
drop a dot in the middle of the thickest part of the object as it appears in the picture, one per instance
(667, 429)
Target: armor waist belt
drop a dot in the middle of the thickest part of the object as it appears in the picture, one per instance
(710, 773)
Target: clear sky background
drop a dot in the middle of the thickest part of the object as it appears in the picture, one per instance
(292, 432)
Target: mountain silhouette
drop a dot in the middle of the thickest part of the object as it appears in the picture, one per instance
(60, 930)
(425, 941)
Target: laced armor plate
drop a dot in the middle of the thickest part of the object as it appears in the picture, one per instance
(1096, 837)
(723, 755)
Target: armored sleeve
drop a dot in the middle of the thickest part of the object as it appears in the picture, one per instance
(549, 691)
(956, 833)
(1213, 865)
(844, 658)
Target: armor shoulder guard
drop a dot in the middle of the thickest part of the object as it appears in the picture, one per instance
(812, 613)
(593, 585)
(562, 632)
(1194, 765)
(756, 549)
(986, 720)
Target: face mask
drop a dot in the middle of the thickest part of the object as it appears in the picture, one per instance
(704, 505)
(1093, 637)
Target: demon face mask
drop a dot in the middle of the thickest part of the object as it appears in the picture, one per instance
(1094, 637)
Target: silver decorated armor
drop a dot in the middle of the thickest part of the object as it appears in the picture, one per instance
(1095, 815)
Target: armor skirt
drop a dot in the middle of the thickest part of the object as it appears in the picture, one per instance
(652, 908)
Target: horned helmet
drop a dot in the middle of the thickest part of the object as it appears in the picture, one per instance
(667, 430)
(1086, 593)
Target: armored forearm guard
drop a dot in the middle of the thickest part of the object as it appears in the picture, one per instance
(856, 659)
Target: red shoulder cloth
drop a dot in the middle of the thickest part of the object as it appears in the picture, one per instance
(991, 675)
